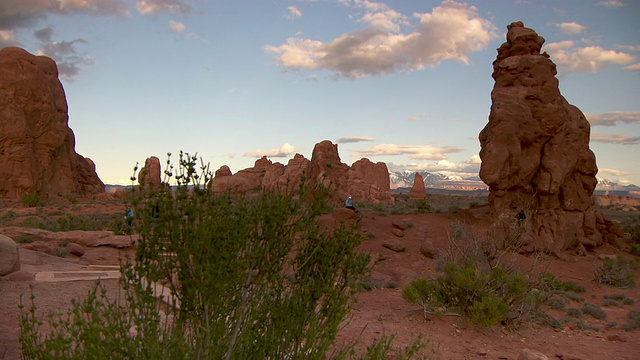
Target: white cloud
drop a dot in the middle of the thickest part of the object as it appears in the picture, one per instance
(571, 28)
(354, 139)
(284, 151)
(572, 58)
(153, 7)
(634, 67)
(610, 118)
(611, 3)
(629, 47)
(615, 138)
(464, 169)
(294, 13)
(418, 152)
(176, 26)
(7, 38)
(614, 172)
(450, 32)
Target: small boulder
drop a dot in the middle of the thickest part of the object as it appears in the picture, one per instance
(9, 256)
(346, 215)
(75, 249)
(528, 354)
(394, 246)
(397, 232)
(428, 249)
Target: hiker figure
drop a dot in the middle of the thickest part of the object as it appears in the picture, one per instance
(128, 217)
(349, 204)
(521, 216)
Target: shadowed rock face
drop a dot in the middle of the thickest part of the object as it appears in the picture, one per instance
(37, 147)
(535, 150)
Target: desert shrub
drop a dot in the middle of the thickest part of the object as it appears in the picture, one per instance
(24, 239)
(633, 229)
(59, 251)
(610, 302)
(574, 313)
(31, 199)
(248, 277)
(617, 272)
(554, 284)
(484, 297)
(8, 215)
(628, 301)
(633, 321)
(595, 311)
(634, 249)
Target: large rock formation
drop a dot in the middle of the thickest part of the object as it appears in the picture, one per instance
(37, 147)
(418, 191)
(535, 151)
(150, 174)
(364, 180)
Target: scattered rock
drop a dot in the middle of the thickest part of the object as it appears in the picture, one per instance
(9, 256)
(75, 249)
(428, 249)
(397, 232)
(394, 245)
(528, 354)
(400, 225)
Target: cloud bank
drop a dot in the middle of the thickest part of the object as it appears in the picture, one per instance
(611, 118)
(417, 152)
(284, 151)
(451, 31)
(571, 58)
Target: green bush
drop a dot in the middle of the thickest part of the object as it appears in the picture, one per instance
(634, 249)
(248, 277)
(59, 251)
(31, 199)
(484, 297)
(617, 272)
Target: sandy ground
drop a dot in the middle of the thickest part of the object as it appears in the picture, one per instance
(378, 312)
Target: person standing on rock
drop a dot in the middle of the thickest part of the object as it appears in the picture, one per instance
(349, 204)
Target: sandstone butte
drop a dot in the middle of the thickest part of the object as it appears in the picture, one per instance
(363, 180)
(37, 147)
(535, 154)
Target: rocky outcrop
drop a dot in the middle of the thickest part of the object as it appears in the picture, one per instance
(37, 147)
(150, 174)
(364, 180)
(535, 151)
(418, 191)
(9, 256)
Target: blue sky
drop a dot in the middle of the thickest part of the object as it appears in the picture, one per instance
(404, 82)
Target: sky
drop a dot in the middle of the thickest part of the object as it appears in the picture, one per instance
(403, 82)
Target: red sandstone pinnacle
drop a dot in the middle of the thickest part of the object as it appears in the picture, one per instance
(535, 151)
(37, 147)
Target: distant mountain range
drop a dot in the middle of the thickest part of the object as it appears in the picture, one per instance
(442, 183)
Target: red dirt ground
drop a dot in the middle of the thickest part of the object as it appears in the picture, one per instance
(381, 311)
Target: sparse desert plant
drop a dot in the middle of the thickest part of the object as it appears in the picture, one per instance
(24, 239)
(595, 311)
(634, 249)
(633, 321)
(31, 199)
(574, 313)
(617, 272)
(248, 277)
(59, 251)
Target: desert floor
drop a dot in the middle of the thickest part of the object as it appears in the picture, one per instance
(382, 311)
